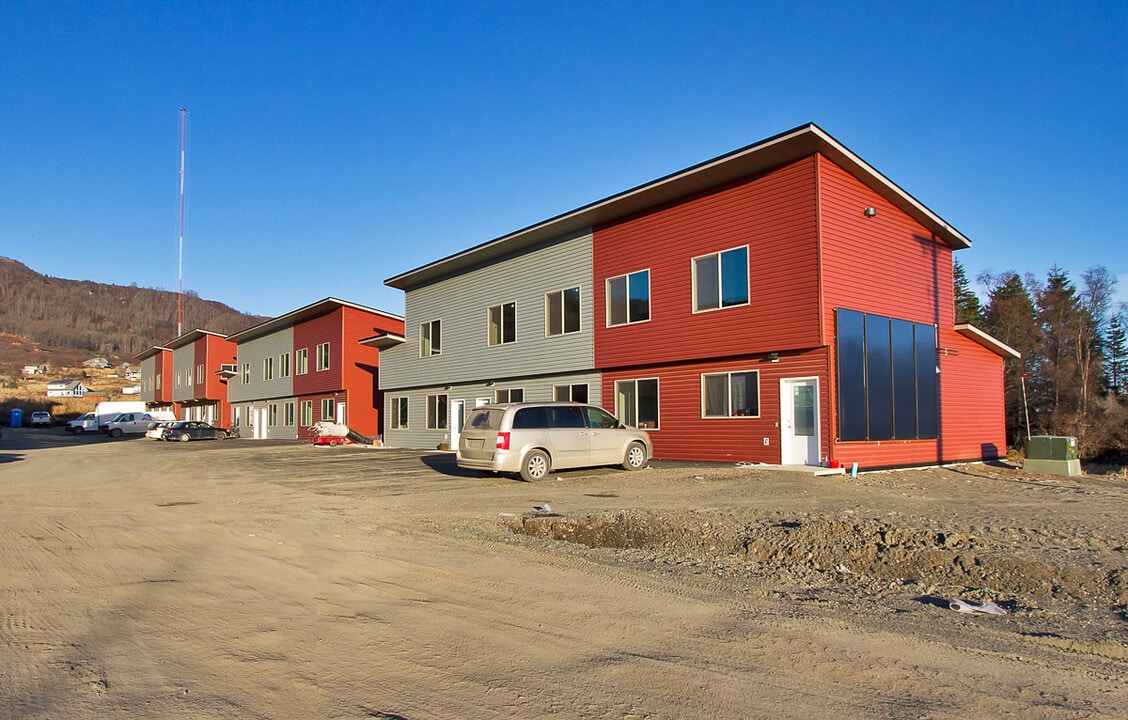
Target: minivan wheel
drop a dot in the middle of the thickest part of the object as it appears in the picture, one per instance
(535, 467)
(635, 459)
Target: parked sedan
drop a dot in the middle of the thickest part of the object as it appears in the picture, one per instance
(156, 430)
(186, 430)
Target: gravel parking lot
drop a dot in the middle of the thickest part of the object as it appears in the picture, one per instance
(251, 579)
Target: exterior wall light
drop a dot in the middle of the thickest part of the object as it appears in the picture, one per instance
(871, 211)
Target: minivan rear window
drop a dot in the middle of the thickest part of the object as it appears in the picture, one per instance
(485, 419)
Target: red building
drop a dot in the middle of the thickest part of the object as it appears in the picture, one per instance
(788, 303)
(199, 384)
(156, 377)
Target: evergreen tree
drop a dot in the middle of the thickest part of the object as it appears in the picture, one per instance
(1009, 316)
(1116, 349)
(968, 309)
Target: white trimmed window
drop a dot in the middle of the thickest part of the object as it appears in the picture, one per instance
(628, 298)
(323, 356)
(246, 373)
(273, 414)
(200, 374)
(636, 403)
(327, 409)
(720, 280)
(284, 365)
(397, 407)
(436, 412)
(735, 394)
(431, 338)
(510, 395)
(268, 368)
(301, 361)
(562, 312)
(307, 413)
(502, 324)
(572, 393)
(288, 414)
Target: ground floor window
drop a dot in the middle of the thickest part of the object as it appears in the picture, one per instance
(327, 409)
(510, 395)
(636, 402)
(397, 408)
(436, 412)
(573, 393)
(288, 414)
(734, 394)
(273, 422)
(307, 412)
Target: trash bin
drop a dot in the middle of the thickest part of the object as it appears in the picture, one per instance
(15, 417)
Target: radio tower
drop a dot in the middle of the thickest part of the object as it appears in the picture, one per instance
(180, 249)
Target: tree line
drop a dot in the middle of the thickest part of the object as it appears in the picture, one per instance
(1073, 374)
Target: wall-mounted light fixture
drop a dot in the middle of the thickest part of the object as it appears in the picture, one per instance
(773, 357)
(446, 387)
(489, 383)
(870, 211)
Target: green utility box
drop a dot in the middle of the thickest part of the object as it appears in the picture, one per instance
(1053, 456)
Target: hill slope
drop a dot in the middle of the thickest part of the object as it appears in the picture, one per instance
(52, 320)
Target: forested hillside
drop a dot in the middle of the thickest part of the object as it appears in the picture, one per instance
(51, 320)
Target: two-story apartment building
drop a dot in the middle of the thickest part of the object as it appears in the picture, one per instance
(199, 384)
(308, 366)
(782, 303)
(156, 377)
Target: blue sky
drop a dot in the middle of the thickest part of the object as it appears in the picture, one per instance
(333, 145)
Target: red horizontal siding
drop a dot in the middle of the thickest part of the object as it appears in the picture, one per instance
(972, 409)
(683, 434)
(773, 214)
(309, 334)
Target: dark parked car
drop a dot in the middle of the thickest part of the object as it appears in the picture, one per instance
(186, 430)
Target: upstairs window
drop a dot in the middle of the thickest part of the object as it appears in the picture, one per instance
(720, 280)
(628, 298)
(284, 365)
(301, 361)
(200, 374)
(431, 338)
(246, 373)
(502, 324)
(323, 356)
(562, 312)
(268, 368)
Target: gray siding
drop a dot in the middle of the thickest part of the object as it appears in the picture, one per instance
(462, 304)
(254, 352)
(148, 379)
(536, 389)
(183, 359)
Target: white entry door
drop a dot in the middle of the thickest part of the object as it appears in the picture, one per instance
(799, 421)
(457, 411)
(260, 417)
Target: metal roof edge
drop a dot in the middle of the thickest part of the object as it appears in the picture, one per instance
(295, 316)
(986, 340)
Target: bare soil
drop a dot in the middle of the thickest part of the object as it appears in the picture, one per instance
(245, 579)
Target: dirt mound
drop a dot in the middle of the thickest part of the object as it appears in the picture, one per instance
(860, 552)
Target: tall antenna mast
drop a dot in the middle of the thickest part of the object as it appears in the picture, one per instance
(180, 249)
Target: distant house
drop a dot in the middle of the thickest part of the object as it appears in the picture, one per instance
(101, 363)
(66, 388)
(35, 370)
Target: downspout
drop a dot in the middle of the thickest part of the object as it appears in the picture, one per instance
(831, 413)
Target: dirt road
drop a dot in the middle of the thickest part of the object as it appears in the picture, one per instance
(246, 579)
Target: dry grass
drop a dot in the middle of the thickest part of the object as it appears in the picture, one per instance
(29, 392)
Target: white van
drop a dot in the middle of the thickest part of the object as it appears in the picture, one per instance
(134, 423)
(103, 413)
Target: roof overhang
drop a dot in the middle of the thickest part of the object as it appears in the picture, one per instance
(192, 336)
(781, 149)
(150, 352)
(997, 346)
(382, 341)
(309, 312)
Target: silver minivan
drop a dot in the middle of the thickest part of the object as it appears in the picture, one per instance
(535, 438)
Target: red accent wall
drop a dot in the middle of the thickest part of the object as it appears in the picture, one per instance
(972, 408)
(353, 369)
(163, 367)
(683, 434)
(774, 214)
(211, 351)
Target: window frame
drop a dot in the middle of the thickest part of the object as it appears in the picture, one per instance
(571, 388)
(435, 420)
(284, 365)
(306, 410)
(434, 330)
(550, 305)
(268, 368)
(301, 361)
(324, 358)
(288, 413)
(502, 325)
(634, 411)
(328, 410)
(397, 409)
(728, 375)
(200, 374)
(509, 395)
(720, 269)
(626, 277)
(246, 373)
